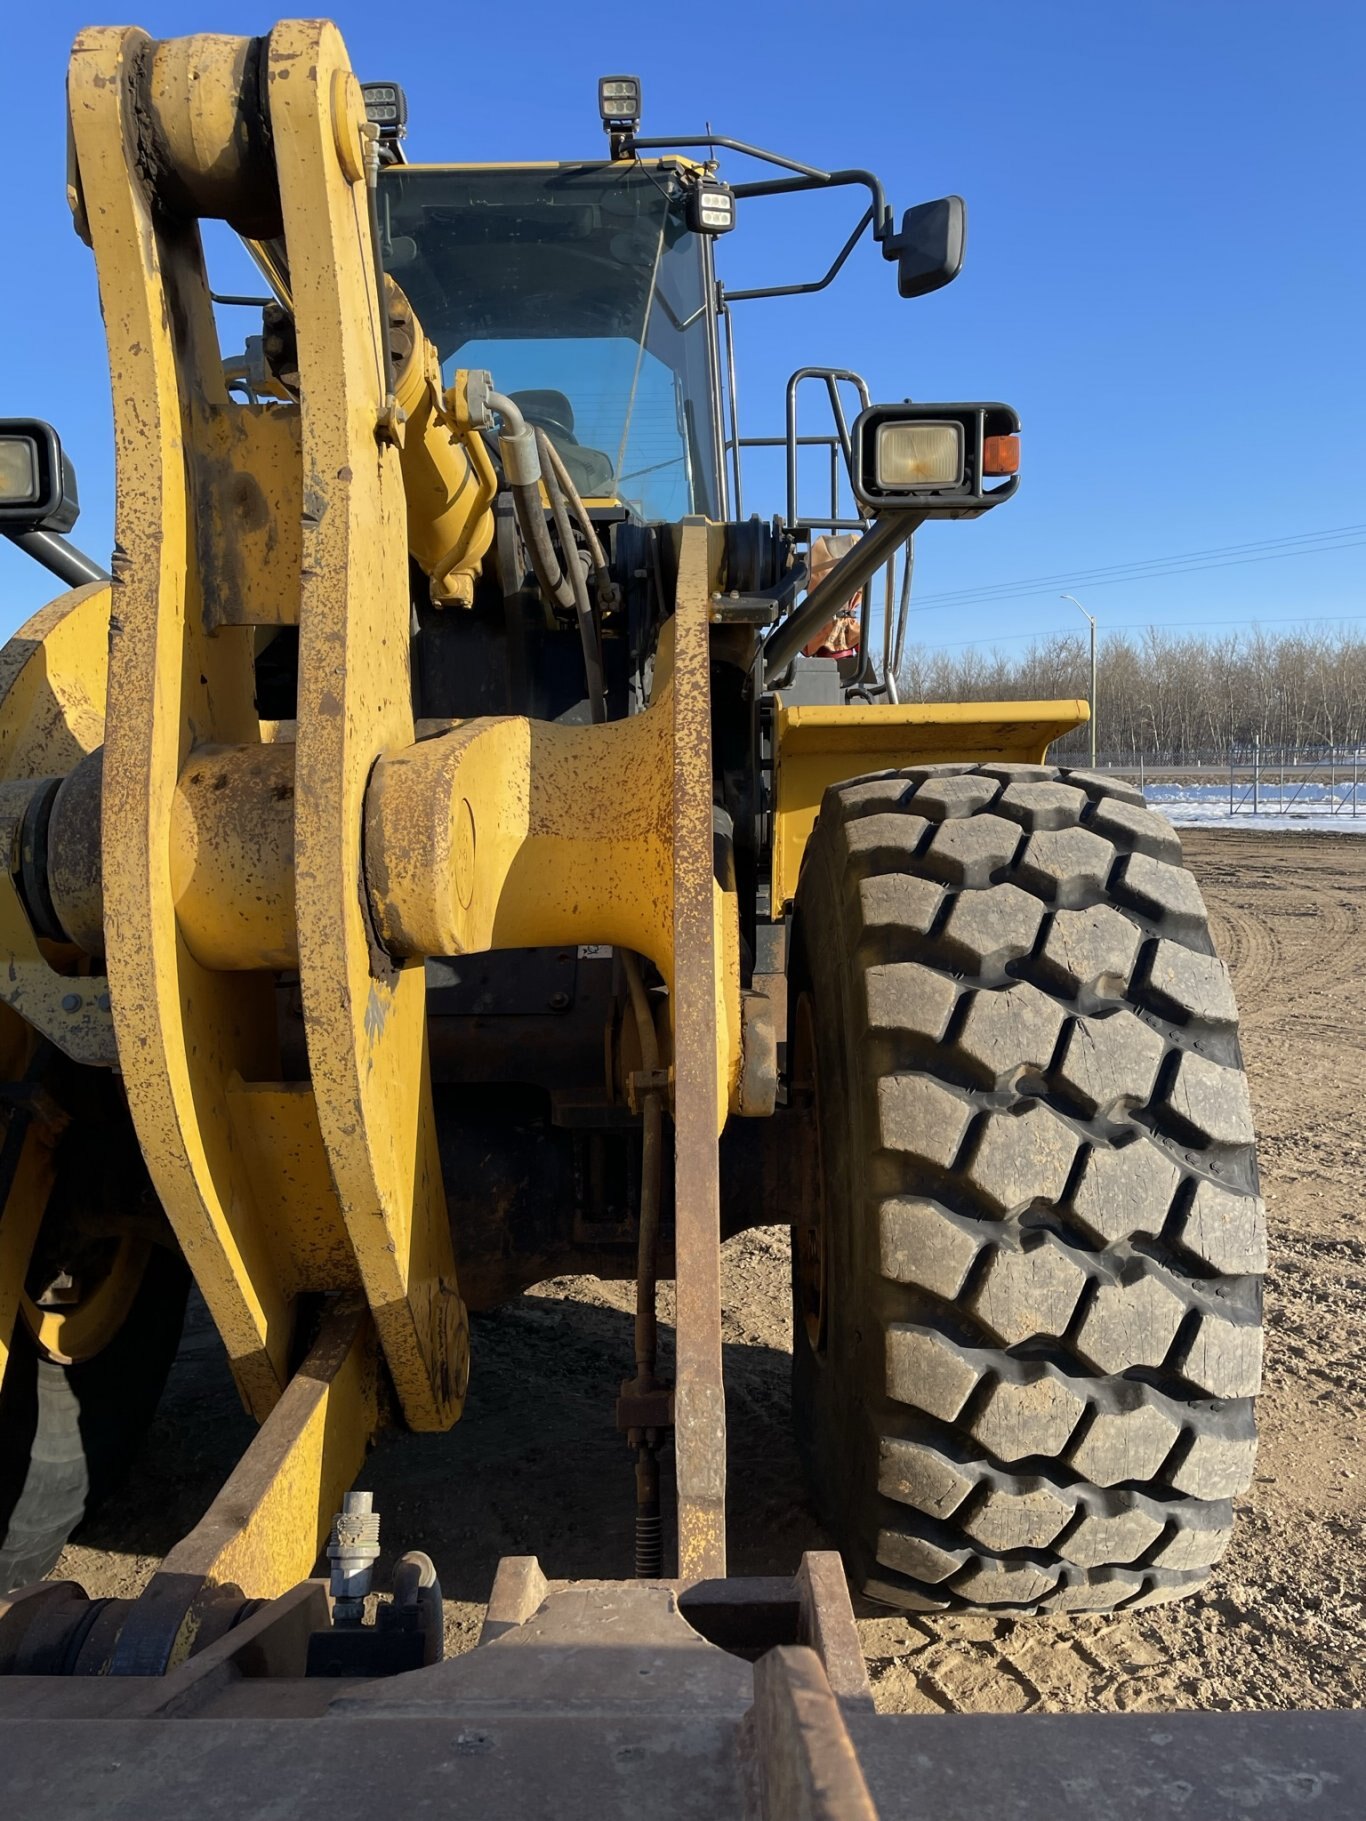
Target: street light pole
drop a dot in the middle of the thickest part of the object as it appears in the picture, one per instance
(1092, 619)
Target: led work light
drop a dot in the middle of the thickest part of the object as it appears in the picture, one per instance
(387, 106)
(619, 102)
(710, 207)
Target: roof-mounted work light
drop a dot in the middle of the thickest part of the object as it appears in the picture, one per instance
(387, 106)
(619, 106)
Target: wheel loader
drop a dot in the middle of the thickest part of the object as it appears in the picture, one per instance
(448, 848)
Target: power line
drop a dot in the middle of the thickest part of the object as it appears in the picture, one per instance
(1185, 556)
(1067, 632)
(1269, 550)
(1303, 538)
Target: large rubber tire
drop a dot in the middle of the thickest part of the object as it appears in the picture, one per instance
(1027, 1279)
(68, 1433)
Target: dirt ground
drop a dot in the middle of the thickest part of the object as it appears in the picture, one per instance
(536, 1468)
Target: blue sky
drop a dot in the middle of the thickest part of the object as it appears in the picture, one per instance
(1165, 269)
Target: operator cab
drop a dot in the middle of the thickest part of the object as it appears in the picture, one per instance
(582, 289)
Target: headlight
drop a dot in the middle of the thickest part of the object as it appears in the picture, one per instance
(918, 455)
(18, 471)
(37, 482)
(934, 459)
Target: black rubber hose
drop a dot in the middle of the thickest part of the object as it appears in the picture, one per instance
(555, 584)
(607, 588)
(522, 469)
(583, 607)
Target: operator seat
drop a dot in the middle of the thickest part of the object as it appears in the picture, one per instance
(590, 470)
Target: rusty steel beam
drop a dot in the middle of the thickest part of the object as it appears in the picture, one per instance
(700, 1004)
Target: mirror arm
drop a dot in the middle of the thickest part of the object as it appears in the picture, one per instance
(820, 283)
(731, 145)
(828, 180)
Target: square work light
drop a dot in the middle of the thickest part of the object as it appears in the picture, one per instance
(387, 106)
(710, 206)
(619, 101)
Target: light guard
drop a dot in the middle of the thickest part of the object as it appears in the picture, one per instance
(929, 459)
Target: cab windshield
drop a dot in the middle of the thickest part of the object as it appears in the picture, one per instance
(583, 293)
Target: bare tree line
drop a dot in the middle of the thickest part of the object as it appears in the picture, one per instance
(1170, 697)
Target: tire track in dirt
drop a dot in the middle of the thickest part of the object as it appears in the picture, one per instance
(1247, 940)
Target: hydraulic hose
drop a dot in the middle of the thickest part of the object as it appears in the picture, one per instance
(588, 628)
(522, 471)
(607, 588)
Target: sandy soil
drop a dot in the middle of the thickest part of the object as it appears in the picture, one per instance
(535, 1466)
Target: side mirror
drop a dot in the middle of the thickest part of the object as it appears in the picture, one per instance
(928, 250)
(37, 482)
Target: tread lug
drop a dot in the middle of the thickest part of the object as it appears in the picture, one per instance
(913, 1473)
(1122, 1445)
(1040, 804)
(1065, 866)
(1223, 1357)
(1110, 1061)
(1009, 1029)
(1211, 1100)
(1026, 1294)
(906, 999)
(986, 931)
(1226, 1231)
(943, 799)
(1022, 1418)
(927, 1372)
(1021, 1158)
(1183, 984)
(1090, 950)
(1130, 1323)
(1026, 1514)
(922, 1243)
(1124, 1191)
(968, 850)
(1158, 890)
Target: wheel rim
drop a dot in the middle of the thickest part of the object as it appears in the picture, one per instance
(809, 1241)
